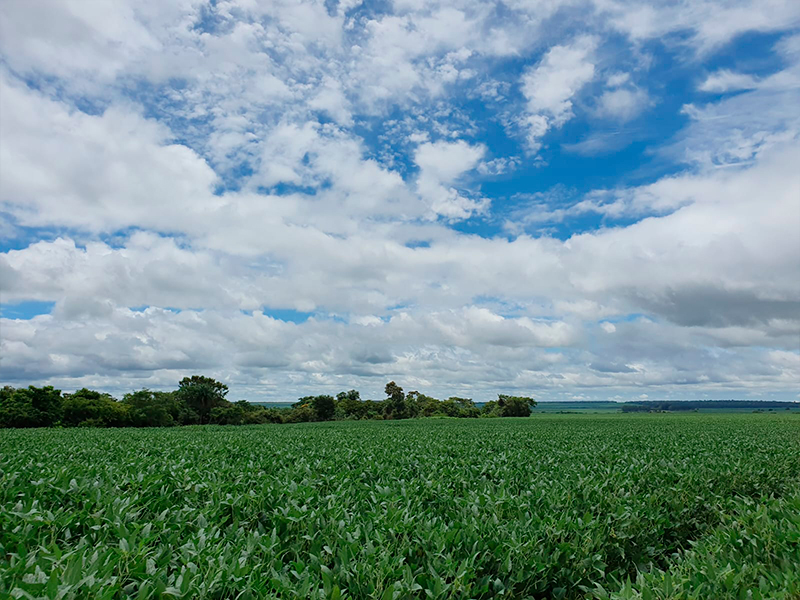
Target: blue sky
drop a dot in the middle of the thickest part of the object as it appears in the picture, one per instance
(573, 199)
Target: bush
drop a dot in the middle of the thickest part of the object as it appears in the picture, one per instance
(30, 407)
(509, 406)
(227, 414)
(147, 408)
(93, 409)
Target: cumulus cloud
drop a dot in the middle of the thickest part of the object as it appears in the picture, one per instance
(550, 86)
(97, 172)
(441, 164)
(176, 177)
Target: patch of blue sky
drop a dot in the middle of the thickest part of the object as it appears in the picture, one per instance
(628, 318)
(589, 153)
(232, 180)
(164, 102)
(367, 10)
(119, 238)
(287, 315)
(50, 85)
(284, 188)
(26, 310)
(211, 21)
(21, 237)
(400, 306)
(751, 52)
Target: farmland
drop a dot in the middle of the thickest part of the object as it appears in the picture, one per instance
(552, 506)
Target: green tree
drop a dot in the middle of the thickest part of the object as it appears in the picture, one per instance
(324, 407)
(466, 407)
(349, 405)
(258, 415)
(420, 405)
(515, 406)
(30, 407)
(395, 406)
(91, 408)
(301, 411)
(315, 408)
(227, 414)
(201, 394)
(147, 408)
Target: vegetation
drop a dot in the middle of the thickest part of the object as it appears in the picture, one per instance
(611, 506)
(754, 553)
(202, 400)
(685, 405)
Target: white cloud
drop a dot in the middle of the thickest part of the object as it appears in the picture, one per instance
(441, 165)
(709, 23)
(728, 81)
(622, 104)
(64, 167)
(223, 158)
(550, 86)
(740, 289)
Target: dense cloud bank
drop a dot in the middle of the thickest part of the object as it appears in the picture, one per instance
(297, 196)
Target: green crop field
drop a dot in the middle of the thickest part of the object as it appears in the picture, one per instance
(552, 506)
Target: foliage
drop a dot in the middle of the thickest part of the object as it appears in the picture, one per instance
(30, 407)
(350, 406)
(550, 507)
(88, 408)
(147, 408)
(509, 406)
(395, 405)
(201, 395)
(258, 415)
(317, 408)
(227, 414)
(683, 405)
(201, 400)
(754, 553)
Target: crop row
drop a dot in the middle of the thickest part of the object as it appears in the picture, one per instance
(754, 553)
(546, 507)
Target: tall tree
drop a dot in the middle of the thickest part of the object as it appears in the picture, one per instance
(202, 394)
(395, 405)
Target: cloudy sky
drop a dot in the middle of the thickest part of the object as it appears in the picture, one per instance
(565, 198)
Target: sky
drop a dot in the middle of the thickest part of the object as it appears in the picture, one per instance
(567, 199)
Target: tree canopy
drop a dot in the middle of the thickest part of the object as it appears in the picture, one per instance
(202, 400)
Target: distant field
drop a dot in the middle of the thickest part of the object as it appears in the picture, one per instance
(274, 404)
(598, 407)
(542, 407)
(577, 407)
(552, 506)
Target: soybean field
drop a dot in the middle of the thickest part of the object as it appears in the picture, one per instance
(553, 506)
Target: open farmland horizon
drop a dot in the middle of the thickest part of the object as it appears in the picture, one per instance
(600, 507)
(204, 400)
(399, 299)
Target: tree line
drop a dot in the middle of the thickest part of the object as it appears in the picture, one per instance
(201, 400)
(687, 405)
